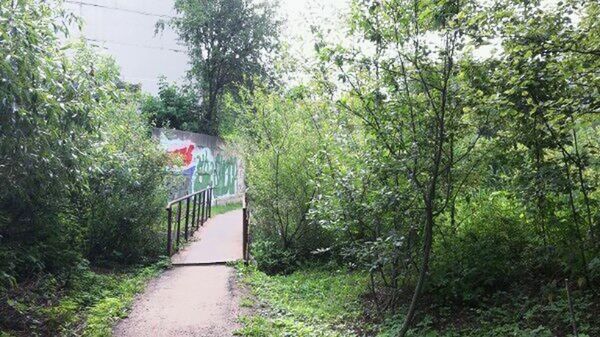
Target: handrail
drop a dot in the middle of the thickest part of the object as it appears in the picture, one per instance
(201, 203)
(170, 203)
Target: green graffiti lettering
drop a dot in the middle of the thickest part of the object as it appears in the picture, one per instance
(219, 172)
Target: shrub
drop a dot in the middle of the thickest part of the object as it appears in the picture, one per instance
(82, 176)
(489, 251)
(175, 107)
(123, 204)
(127, 192)
(272, 259)
(279, 143)
(45, 126)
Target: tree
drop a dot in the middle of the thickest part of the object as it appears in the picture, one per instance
(229, 43)
(408, 93)
(544, 76)
(46, 123)
(175, 107)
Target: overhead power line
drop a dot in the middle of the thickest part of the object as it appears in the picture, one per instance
(89, 4)
(137, 45)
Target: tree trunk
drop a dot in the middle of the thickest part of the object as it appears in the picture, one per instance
(575, 216)
(580, 169)
(424, 268)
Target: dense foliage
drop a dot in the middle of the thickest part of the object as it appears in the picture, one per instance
(174, 107)
(81, 178)
(447, 171)
(279, 172)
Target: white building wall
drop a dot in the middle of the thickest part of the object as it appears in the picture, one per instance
(125, 30)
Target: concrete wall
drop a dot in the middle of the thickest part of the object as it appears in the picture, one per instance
(203, 161)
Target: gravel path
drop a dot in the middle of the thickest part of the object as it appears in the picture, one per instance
(193, 300)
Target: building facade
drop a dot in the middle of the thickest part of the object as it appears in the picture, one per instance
(125, 29)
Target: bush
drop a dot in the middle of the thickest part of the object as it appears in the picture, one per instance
(174, 107)
(82, 175)
(46, 125)
(279, 144)
(126, 186)
(272, 259)
(127, 192)
(491, 249)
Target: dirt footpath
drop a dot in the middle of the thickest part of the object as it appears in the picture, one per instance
(198, 301)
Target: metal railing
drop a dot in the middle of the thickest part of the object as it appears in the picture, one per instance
(246, 238)
(199, 203)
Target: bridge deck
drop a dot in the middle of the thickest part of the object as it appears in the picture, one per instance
(219, 240)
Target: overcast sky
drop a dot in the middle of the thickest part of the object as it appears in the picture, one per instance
(299, 14)
(125, 30)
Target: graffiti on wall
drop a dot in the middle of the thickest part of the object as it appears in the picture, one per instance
(202, 167)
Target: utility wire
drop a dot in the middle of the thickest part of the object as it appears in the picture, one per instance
(83, 3)
(136, 45)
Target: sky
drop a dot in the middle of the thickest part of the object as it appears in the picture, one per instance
(300, 14)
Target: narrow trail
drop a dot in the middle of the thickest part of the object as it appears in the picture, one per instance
(193, 300)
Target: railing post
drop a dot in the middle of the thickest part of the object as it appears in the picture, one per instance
(194, 224)
(187, 217)
(178, 222)
(203, 206)
(245, 234)
(248, 234)
(210, 202)
(169, 232)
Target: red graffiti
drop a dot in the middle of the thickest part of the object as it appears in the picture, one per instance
(185, 153)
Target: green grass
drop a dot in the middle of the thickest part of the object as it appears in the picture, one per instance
(327, 303)
(310, 302)
(220, 209)
(88, 305)
(114, 301)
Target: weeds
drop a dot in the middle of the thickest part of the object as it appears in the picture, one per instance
(309, 302)
(87, 304)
